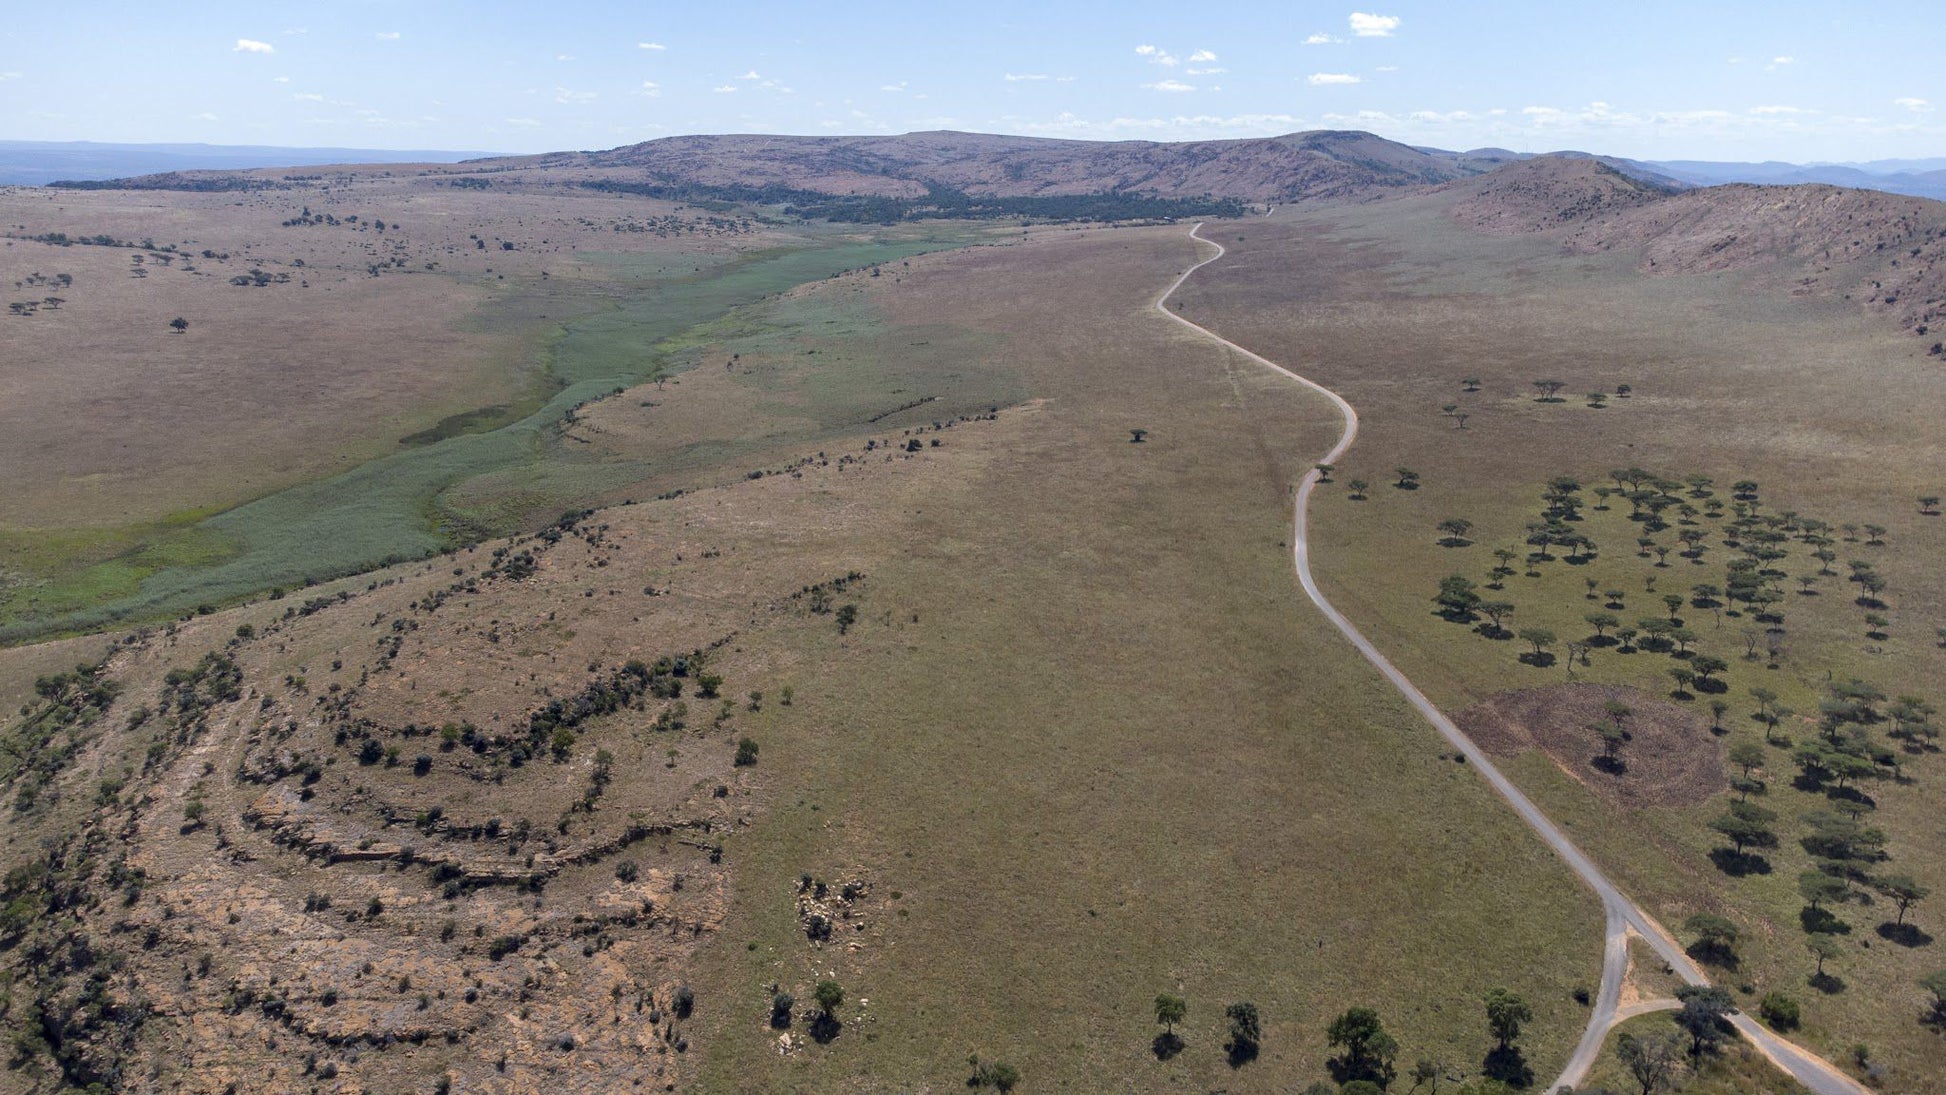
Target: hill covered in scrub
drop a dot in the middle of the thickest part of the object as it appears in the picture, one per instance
(1885, 251)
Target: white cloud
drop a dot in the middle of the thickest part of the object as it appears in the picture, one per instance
(9, 76)
(725, 89)
(387, 35)
(1321, 39)
(308, 97)
(1202, 55)
(751, 75)
(657, 46)
(1774, 110)
(1018, 77)
(1387, 68)
(1157, 56)
(564, 57)
(1329, 79)
(281, 80)
(523, 121)
(1917, 106)
(1215, 71)
(1366, 25)
(251, 45)
(564, 95)
(1170, 85)
(205, 116)
(1779, 62)
(651, 89)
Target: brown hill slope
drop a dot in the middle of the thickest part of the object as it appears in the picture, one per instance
(1885, 250)
(1322, 164)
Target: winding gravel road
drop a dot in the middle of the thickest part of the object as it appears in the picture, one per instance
(1623, 915)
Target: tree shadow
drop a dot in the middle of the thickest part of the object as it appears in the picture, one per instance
(1240, 1052)
(1166, 1045)
(1828, 983)
(1455, 542)
(825, 1028)
(1711, 685)
(1739, 864)
(1539, 661)
(1816, 921)
(1718, 955)
(1905, 935)
(1509, 1066)
(1497, 633)
(1614, 766)
(1599, 641)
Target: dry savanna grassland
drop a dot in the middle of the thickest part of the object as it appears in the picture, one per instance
(1808, 696)
(1038, 729)
(355, 343)
(915, 685)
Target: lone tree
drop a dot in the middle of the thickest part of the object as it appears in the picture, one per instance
(1716, 939)
(1704, 1016)
(1358, 488)
(1823, 949)
(1900, 890)
(1135, 436)
(1407, 479)
(1506, 1011)
(1653, 1060)
(1455, 529)
(1935, 983)
(1246, 1033)
(1541, 638)
(179, 325)
(1169, 1010)
(1548, 388)
(1367, 1051)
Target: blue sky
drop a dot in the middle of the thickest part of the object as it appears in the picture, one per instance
(1726, 80)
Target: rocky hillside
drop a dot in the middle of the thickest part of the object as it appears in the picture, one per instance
(1885, 251)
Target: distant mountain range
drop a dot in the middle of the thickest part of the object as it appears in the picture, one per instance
(36, 163)
(1287, 168)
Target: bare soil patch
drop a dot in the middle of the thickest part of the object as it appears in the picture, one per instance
(1670, 758)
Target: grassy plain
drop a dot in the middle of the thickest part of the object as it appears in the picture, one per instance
(305, 428)
(1084, 744)
(1833, 413)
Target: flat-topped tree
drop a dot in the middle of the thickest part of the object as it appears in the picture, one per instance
(1548, 388)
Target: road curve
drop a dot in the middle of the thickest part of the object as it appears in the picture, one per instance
(1807, 1068)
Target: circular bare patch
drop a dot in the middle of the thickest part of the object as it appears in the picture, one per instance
(1669, 757)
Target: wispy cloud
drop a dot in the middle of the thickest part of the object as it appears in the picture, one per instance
(308, 97)
(565, 95)
(1779, 62)
(206, 116)
(896, 88)
(9, 76)
(1329, 79)
(753, 74)
(1917, 106)
(1035, 77)
(1367, 25)
(1170, 86)
(657, 46)
(1214, 70)
(1201, 56)
(251, 45)
(1321, 39)
(523, 121)
(651, 89)
(1157, 56)
(725, 89)
(1777, 110)
(387, 35)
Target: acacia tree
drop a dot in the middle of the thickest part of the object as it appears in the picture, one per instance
(1548, 388)
(1901, 890)
(1367, 1050)
(179, 325)
(1653, 1060)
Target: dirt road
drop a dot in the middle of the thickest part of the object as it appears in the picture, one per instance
(1805, 1067)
